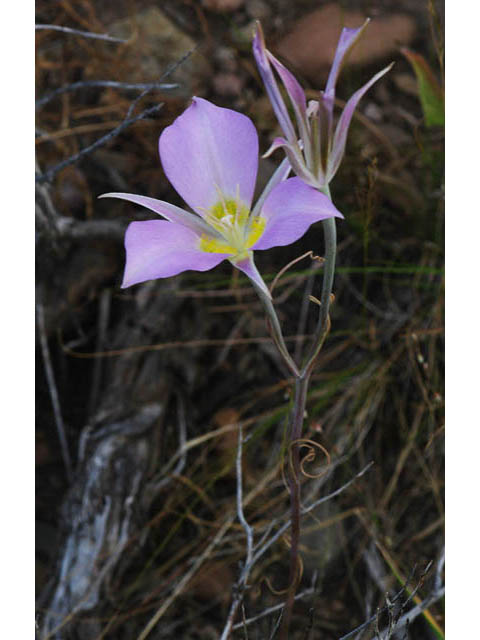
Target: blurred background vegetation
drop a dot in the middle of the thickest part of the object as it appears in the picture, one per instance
(141, 391)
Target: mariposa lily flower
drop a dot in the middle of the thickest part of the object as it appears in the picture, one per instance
(314, 148)
(210, 155)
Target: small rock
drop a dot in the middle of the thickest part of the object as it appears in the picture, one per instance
(222, 5)
(310, 46)
(156, 44)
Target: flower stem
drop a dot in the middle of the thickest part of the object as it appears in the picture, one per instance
(293, 476)
(302, 378)
(330, 237)
(276, 330)
(298, 412)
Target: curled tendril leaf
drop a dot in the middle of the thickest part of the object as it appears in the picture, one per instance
(310, 456)
(284, 269)
(282, 592)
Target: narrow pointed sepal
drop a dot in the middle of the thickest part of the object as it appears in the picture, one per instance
(343, 125)
(169, 211)
(348, 39)
(263, 63)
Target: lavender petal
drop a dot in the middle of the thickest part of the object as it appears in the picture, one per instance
(160, 249)
(289, 210)
(210, 153)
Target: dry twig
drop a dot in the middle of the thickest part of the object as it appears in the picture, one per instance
(128, 120)
(78, 32)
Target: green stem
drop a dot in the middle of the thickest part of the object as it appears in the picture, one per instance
(276, 330)
(330, 237)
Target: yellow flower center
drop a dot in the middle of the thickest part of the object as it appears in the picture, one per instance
(239, 231)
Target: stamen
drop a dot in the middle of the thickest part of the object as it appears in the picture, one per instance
(233, 221)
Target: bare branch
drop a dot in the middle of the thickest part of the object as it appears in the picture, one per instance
(77, 32)
(266, 612)
(398, 623)
(241, 515)
(242, 582)
(109, 84)
(373, 618)
(315, 504)
(438, 572)
(48, 175)
(410, 616)
(253, 557)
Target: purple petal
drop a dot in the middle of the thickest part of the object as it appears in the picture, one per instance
(160, 249)
(340, 137)
(295, 159)
(167, 210)
(210, 152)
(299, 103)
(277, 143)
(293, 88)
(248, 267)
(347, 39)
(261, 56)
(289, 210)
